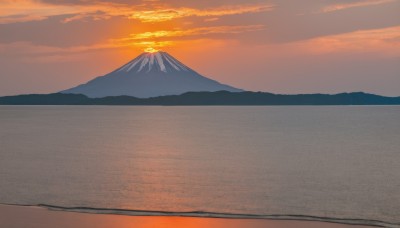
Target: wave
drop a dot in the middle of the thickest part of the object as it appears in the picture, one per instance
(205, 214)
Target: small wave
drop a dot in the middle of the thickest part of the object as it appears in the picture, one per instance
(205, 214)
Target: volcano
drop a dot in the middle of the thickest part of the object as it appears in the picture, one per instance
(149, 75)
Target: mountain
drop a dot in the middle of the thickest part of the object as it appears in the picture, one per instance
(205, 98)
(149, 75)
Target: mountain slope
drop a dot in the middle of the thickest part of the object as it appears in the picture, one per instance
(149, 75)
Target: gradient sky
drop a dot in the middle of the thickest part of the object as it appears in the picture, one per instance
(280, 46)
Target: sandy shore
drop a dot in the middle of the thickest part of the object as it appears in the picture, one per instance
(36, 217)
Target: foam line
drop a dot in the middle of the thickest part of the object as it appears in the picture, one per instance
(205, 214)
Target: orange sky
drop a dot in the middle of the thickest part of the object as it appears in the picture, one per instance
(276, 46)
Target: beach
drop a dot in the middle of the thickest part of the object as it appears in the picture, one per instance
(37, 217)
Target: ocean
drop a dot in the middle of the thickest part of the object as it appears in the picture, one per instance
(328, 163)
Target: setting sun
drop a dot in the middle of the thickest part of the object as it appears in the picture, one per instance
(150, 50)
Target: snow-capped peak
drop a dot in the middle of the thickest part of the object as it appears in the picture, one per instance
(155, 61)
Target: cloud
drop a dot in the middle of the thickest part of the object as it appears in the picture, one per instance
(83, 16)
(20, 18)
(21, 10)
(148, 11)
(172, 13)
(29, 50)
(211, 19)
(142, 41)
(383, 41)
(343, 6)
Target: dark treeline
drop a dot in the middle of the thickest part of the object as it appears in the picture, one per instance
(206, 98)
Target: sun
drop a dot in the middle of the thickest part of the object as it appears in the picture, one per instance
(150, 50)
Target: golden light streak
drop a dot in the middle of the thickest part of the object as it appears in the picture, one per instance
(195, 32)
(154, 39)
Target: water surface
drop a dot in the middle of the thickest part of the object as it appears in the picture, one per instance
(336, 162)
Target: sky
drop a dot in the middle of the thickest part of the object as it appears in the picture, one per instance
(278, 46)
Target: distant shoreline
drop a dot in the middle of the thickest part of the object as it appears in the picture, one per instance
(219, 98)
(295, 221)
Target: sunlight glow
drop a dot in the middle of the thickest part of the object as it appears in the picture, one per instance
(150, 50)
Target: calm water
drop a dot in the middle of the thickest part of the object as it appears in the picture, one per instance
(339, 162)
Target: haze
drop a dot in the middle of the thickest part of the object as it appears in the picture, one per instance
(283, 46)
